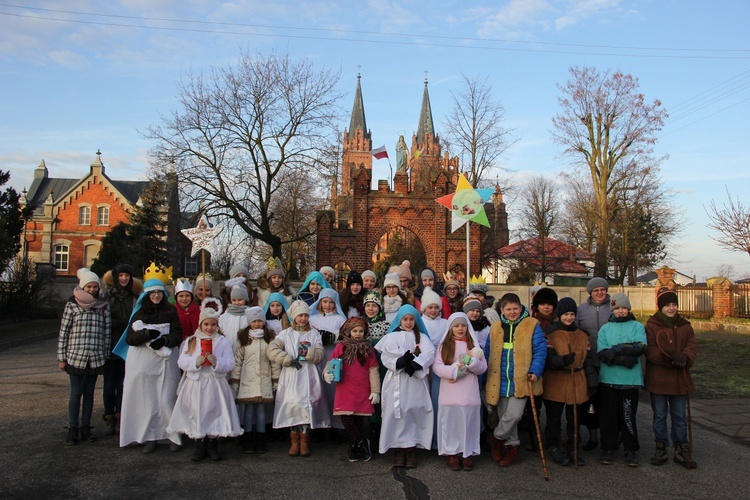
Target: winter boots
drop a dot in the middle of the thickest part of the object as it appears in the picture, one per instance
(201, 450)
(399, 457)
(213, 449)
(498, 449)
(304, 447)
(260, 443)
(411, 458)
(109, 425)
(363, 450)
(294, 448)
(660, 455)
(681, 456)
(72, 437)
(86, 434)
(248, 443)
(511, 456)
(453, 462)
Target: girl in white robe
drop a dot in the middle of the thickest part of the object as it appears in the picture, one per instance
(407, 353)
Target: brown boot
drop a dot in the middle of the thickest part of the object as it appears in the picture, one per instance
(304, 448)
(468, 463)
(511, 456)
(294, 449)
(117, 423)
(399, 457)
(109, 425)
(453, 463)
(411, 458)
(498, 446)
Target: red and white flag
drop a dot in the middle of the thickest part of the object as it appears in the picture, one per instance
(379, 153)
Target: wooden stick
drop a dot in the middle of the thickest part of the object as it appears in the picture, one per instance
(538, 430)
(575, 414)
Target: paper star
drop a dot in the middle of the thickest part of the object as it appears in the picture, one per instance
(202, 236)
(466, 204)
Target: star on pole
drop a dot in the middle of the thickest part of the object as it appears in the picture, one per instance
(466, 204)
(202, 236)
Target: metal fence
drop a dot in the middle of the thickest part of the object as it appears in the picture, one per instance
(696, 301)
(741, 298)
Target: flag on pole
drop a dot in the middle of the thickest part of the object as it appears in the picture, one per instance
(379, 153)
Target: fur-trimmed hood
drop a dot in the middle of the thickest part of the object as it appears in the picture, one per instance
(108, 280)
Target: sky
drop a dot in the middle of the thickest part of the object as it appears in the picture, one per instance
(80, 76)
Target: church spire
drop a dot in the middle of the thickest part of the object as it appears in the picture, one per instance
(425, 117)
(358, 121)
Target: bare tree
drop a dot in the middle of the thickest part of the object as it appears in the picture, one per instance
(725, 270)
(540, 213)
(732, 221)
(606, 126)
(475, 127)
(243, 131)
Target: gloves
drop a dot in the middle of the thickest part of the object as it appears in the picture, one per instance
(153, 333)
(412, 367)
(328, 377)
(296, 364)
(374, 398)
(679, 359)
(287, 360)
(626, 361)
(158, 343)
(404, 360)
(607, 356)
(477, 353)
(568, 358)
(199, 361)
(493, 418)
(211, 359)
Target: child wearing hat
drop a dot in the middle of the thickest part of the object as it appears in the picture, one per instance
(205, 409)
(569, 380)
(393, 297)
(254, 379)
(452, 290)
(187, 310)
(274, 281)
(203, 287)
(234, 317)
(369, 280)
(352, 297)
(620, 345)
(374, 315)
(237, 272)
(330, 275)
(543, 306)
(427, 279)
(300, 403)
(276, 313)
(311, 288)
(83, 346)
(472, 307)
(670, 353)
(431, 308)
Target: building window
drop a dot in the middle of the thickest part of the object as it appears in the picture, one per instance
(102, 216)
(191, 267)
(62, 254)
(84, 216)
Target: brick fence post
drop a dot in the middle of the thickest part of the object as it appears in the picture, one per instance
(722, 297)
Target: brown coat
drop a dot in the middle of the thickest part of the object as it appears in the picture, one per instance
(559, 384)
(662, 377)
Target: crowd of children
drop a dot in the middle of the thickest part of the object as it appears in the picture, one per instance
(400, 368)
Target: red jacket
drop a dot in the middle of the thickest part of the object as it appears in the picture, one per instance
(188, 319)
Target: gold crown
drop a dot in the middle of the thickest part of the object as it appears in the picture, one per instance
(447, 276)
(159, 273)
(274, 263)
(477, 280)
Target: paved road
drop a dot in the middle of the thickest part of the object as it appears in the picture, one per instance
(35, 462)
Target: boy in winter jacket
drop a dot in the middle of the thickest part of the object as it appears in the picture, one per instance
(670, 353)
(516, 352)
(620, 345)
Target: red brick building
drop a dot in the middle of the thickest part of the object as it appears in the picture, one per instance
(351, 232)
(71, 216)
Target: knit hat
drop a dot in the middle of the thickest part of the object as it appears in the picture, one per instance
(429, 298)
(182, 285)
(375, 297)
(566, 305)
(392, 279)
(405, 270)
(370, 274)
(544, 295)
(353, 277)
(239, 292)
(210, 309)
(86, 276)
(123, 268)
(596, 283)
(328, 269)
(350, 324)
(298, 307)
(619, 300)
(472, 302)
(274, 268)
(665, 296)
(427, 273)
(237, 270)
(255, 313)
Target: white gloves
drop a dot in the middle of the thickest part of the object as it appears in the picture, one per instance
(328, 377)
(374, 398)
(211, 359)
(477, 353)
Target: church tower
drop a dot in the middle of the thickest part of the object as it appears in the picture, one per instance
(357, 142)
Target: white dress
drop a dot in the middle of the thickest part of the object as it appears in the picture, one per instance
(299, 397)
(150, 391)
(230, 325)
(407, 408)
(330, 322)
(205, 403)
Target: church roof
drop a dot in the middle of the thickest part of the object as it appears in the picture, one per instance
(425, 125)
(358, 121)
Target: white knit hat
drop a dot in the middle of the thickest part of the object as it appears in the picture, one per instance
(298, 307)
(208, 311)
(255, 313)
(429, 298)
(86, 276)
(392, 279)
(370, 274)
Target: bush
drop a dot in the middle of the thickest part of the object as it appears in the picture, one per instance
(23, 292)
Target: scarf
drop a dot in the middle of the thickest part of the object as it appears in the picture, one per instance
(236, 310)
(480, 324)
(256, 334)
(666, 319)
(358, 349)
(615, 319)
(87, 301)
(559, 325)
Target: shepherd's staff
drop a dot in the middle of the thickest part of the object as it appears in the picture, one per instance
(575, 412)
(538, 430)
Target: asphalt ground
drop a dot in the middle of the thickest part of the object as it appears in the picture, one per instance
(36, 463)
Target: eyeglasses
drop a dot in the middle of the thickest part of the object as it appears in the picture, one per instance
(155, 292)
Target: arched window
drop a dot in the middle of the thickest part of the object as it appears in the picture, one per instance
(102, 216)
(84, 216)
(62, 255)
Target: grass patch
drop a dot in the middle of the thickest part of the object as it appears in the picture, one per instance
(722, 369)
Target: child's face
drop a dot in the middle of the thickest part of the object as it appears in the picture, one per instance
(276, 281)
(669, 310)
(459, 330)
(184, 299)
(408, 322)
(355, 288)
(391, 290)
(202, 292)
(368, 282)
(512, 311)
(302, 319)
(404, 282)
(621, 312)
(568, 318)
(92, 288)
(209, 326)
(238, 302)
(451, 291)
(546, 309)
(256, 324)
(474, 314)
(371, 309)
(155, 296)
(358, 333)
(432, 311)
(327, 305)
(314, 288)
(275, 308)
(428, 281)
(123, 279)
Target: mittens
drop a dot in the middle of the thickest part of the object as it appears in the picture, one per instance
(287, 361)
(199, 361)
(626, 361)
(374, 398)
(404, 360)
(211, 359)
(158, 343)
(679, 359)
(296, 364)
(567, 359)
(477, 353)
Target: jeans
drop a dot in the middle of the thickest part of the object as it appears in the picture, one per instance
(254, 412)
(114, 376)
(676, 406)
(81, 386)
